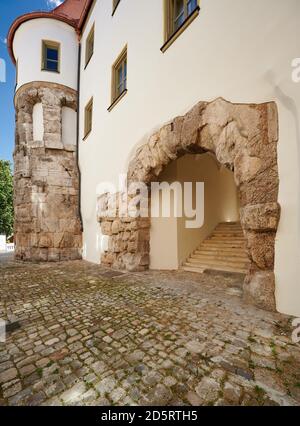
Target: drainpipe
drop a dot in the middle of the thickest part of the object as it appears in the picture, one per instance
(77, 134)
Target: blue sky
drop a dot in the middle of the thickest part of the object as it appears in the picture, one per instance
(9, 11)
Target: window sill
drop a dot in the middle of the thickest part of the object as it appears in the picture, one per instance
(180, 30)
(117, 100)
(44, 70)
(115, 8)
(87, 135)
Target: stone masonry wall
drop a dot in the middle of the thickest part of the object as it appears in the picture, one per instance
(46, 180)
(244, 138)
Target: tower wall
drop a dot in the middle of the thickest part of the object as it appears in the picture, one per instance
(47, 223)
(27, 48)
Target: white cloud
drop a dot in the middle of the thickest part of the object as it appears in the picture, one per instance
(53, 3)
(3, 40)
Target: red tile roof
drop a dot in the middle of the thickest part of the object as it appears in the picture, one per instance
(73, 12)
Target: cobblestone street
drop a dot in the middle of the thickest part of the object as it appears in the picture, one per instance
(89, 336)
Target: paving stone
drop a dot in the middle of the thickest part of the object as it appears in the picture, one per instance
(8, 375)
(194, 399)
(117, 394)
(73, 394)
(160, 395)
(195, 347)
(51, 342)
(105, 386)
(27, 370)
(166, 338)
(232, 393)
(12, 390)
(208, 390)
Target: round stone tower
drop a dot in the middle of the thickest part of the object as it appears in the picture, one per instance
(46, 177)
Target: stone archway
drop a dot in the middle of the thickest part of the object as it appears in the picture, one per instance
(244, 138)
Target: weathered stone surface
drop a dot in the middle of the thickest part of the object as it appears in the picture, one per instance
(261, 217)
(259, 289)
(47, 224)
(261, 249)
(208, 389)
(232, 393)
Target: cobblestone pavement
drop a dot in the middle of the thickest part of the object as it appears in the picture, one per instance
(89, 336)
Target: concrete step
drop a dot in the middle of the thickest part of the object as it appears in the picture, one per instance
(225, 238)
(228, 251)
(221, 258)
(221, 245)
(223, 250)
(194, 268)
(216, 262)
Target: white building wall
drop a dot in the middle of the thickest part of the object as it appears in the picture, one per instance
(236, 49)
(171, 241)
(27, 49)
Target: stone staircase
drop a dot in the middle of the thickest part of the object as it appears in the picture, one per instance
(223, 250)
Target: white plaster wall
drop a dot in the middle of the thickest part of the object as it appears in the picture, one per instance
(171, 242)
(38, 122)
(27, 49)
(229, 206)
(236, 49)
(68, 118)
(164, 231)
(219, 200)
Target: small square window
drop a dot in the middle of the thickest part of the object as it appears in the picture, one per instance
(89, 46)
(119, 77)
(50, 56)
(88, 118)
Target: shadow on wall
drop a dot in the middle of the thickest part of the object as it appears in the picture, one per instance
(291, 106)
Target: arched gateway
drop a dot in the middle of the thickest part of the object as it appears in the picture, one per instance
(244, 138)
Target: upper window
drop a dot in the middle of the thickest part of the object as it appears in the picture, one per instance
(178, 15)
(119, 77)
(88, 118)
(115, 5)
(50, 56)
(89, 46)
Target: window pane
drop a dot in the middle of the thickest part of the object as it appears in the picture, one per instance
(191, 6)
(52, 54)
(125, 69)
(90, 46)
(120, 88)
(120, 74)
(179, 15)
(178, 7)
(52, 65)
